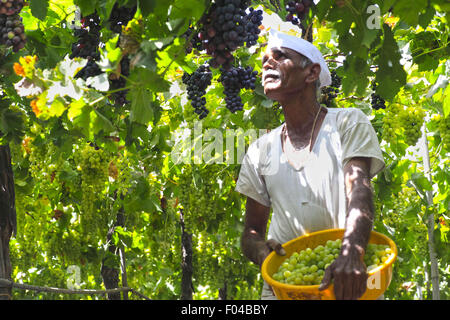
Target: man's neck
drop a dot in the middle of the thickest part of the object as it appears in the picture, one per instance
(299, 113)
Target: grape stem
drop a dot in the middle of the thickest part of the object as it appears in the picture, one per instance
(429, 51)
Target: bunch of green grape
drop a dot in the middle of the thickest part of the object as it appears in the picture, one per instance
(398, 119)
(444, 129)
(391, 123)
(93, 164)
(307, 266)
(411, 120)
(197, 193)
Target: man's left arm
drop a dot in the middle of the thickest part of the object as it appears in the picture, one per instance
(348, 270)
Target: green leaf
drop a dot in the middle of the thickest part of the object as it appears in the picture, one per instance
(147, 6)
(390, 75)
(188, 8)
(39, 8)
(57, 108)
(100, 82)
(83, 120)
(408, 11)
(358, 71)
(141, 105)
(101, 122)
(426, 17)
(86, 6)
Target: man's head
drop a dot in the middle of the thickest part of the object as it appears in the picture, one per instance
(292, 65)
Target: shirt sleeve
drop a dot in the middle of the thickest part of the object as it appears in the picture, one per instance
(359, 139)
(250, 182)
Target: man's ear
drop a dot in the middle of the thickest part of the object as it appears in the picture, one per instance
(313, 73)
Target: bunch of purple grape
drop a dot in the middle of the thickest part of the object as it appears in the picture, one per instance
(233, 80)
(196, 83)
(376, 101)
(10, 7)
(297, 10)
(87, 45)
(252, 22)
(120, 16)
(330, 92)
(12, 31)
(225, 27)
(120, 97)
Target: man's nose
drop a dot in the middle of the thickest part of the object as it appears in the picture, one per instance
(269, 63)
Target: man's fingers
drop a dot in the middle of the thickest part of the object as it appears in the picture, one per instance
(362, 285)
(338, 288)
(326, 281)
(273, 245)
(348, 287)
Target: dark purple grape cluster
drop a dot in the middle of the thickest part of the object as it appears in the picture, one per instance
(377, 101)
(330, 92)
(88, 38)
(11, 7)
(225, 28)
(196, 83)
(87, 46)
(233, 80)
(252, 22)
(120, 97)
(91, 69)
(194, 41)
(297, 10)
(12, 31)
(120, 16)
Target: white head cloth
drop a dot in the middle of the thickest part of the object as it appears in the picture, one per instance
(279, 39)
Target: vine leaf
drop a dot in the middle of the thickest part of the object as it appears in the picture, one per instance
(141, 105)
(147, 6)
(408, 11)
(86, 6)
(390, 75)
(39, 8)
(99, 82)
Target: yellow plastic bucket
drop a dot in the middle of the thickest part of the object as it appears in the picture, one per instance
(377, 282)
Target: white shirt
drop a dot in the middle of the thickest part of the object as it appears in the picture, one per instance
(312, 198)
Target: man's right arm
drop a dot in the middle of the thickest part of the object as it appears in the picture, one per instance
(253, 241)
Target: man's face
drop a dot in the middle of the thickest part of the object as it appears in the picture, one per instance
(282, 72)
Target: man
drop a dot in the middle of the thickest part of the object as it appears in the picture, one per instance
(314, 171)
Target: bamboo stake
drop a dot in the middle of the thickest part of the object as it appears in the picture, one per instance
(430, 217)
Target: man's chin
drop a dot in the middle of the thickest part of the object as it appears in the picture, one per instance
(271, 90)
